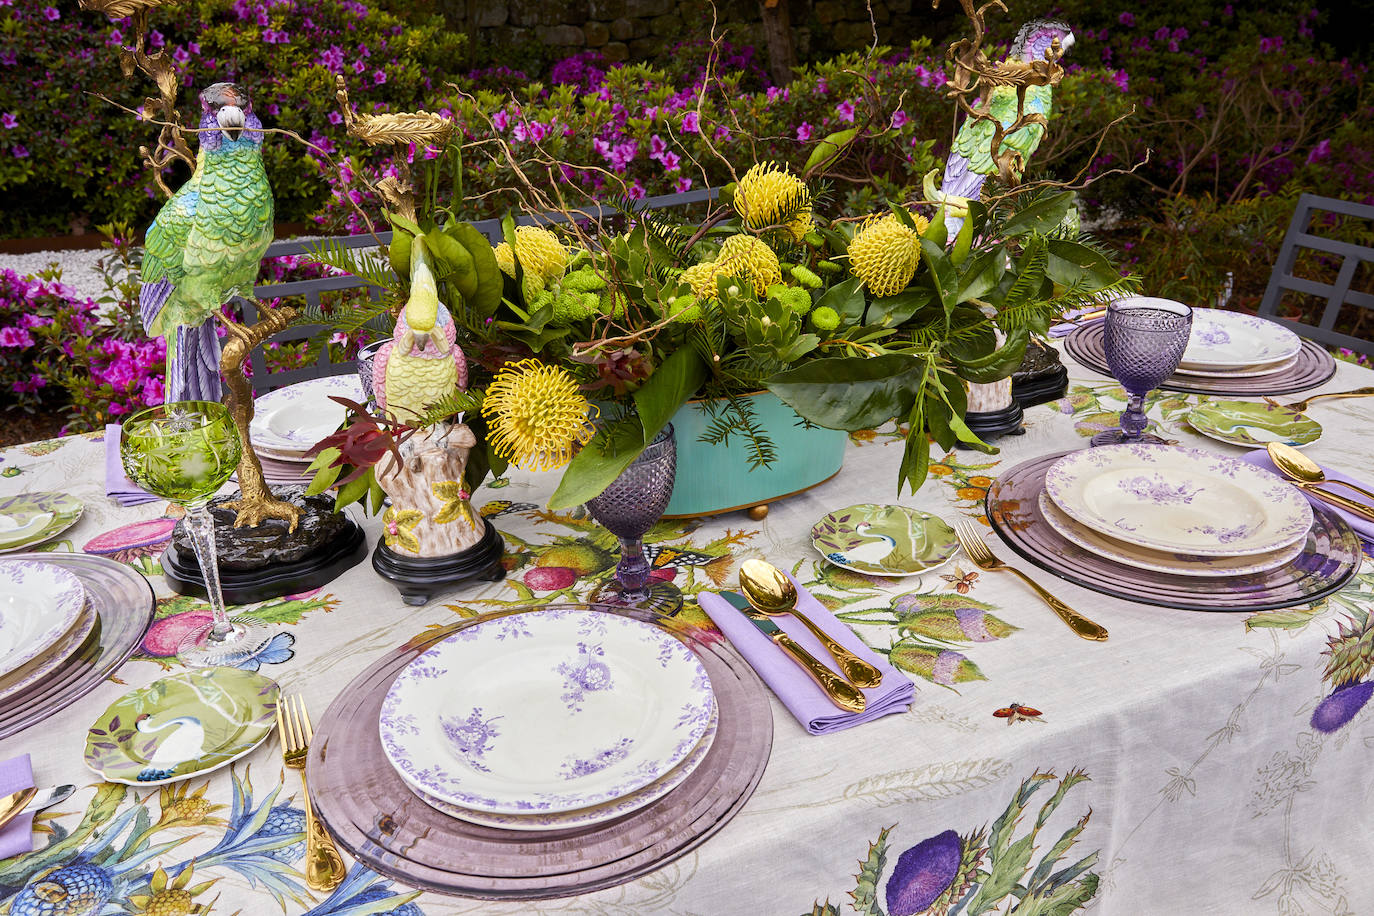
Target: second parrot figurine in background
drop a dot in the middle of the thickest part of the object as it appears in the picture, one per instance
(204, 246)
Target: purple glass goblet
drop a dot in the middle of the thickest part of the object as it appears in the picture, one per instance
(628, 508)
(1144, 338)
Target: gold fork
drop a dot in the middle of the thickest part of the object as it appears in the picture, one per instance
(1300, 406)
(324, 867)
(981, 555)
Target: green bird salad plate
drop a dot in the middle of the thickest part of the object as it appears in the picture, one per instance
(31, 518)
(182, 725)
(1253, 425)
(884, 540)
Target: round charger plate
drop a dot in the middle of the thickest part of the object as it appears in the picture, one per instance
(1253, 425)
(1178, 500)
(1330, 556)
(1231, 340)
(124, 605)
(27, 519)
(549, 711)
(182, 725)
(1243, 372)
(291, 419)
(375, 817)
(1157, 560)
(1312, 366)
(585, 817)
(39, 602)
(884, 540)
(53, 658)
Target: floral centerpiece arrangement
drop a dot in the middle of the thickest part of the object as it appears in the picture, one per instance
(591, 337)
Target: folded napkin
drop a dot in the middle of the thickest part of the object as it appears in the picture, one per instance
(17, 836)
(1069, 325)
(1362, 526)
(801, 695)
(118, 487)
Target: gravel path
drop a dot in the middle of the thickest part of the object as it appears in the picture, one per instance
(78, 267)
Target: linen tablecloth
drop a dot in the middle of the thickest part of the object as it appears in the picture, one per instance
(1173, 769)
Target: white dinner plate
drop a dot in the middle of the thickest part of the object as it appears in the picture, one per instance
(1175, 564)
(548, 711)
(1239, 372)
(292, 419)
(584, 817)
(39, 602)
(1230, 340)
(1179, 500)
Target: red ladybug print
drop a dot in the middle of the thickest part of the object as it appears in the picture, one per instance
(1015, 712)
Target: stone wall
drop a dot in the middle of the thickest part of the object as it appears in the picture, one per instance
(640, 29)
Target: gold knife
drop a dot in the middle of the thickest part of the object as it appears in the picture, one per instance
(12, 804)
(842, 693)
(1343, 502)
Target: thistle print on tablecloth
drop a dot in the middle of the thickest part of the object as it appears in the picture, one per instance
(985, 870)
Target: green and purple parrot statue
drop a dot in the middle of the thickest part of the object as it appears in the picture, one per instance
(204, 246)
(970, 162)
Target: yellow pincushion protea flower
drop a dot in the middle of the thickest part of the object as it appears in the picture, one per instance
(702, 278)
(768, 193)
(751, 260)
(886, 252)
(539, 251)
(536, 415)
(505, 259)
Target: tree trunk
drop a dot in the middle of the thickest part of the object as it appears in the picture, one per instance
(777, 31)
(428, 483)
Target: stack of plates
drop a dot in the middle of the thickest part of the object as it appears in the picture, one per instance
(549, 720)
(1227, 353)
(538, 753)
(289, 421)
(66, 622)
(1179, 527)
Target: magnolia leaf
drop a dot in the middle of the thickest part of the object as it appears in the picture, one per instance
(890, 311)
(847, 299)
(937, 232)
(916, 452)
(1040, 216)
(597, 465)
(942, 272)
(828, 149)
(851, 392)
(671, 386)
(995, 365)
(983, 274)
(1075, 265)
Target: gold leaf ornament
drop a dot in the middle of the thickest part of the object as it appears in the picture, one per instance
(455, 500)
(398, 526)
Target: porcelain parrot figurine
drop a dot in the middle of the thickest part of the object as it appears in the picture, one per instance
(971, 160)
(204, 246)
(422, 364)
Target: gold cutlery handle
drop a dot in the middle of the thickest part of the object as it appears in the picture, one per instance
(1080, 625)
(324, 867)
(1335, 499)
(842, 693)
(1356, 393)
(1348, 485)
(855, 670)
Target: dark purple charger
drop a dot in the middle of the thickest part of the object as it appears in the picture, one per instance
(372, 813)
(1330, 557)
(1313, 366)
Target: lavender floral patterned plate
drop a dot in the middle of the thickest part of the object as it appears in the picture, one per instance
(1180, 500)
(291, 419)
(585, 817)
(1330, 557)
(1232, 340)
(39, 602)
(546, 712)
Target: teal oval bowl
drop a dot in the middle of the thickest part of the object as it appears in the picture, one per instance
(718, 478)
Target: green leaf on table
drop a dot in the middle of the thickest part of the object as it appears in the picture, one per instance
(1289, 619)
(851, 392)
(1041, 215)
(598, 464)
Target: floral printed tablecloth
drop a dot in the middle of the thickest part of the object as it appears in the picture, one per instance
(1175, 768)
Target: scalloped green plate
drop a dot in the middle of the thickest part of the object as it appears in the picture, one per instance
(1251, 424)
(31, 518)
(182, 725)
(884, 540)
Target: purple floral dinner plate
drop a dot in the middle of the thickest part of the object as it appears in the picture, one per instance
(548, 711)
(1311, 367)
(1330, 556)
(375, 817)
(39, 602)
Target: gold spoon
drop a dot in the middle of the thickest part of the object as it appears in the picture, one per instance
(773, 594)
(1299, 467)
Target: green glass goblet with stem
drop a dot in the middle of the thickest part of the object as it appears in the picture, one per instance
(184, 452)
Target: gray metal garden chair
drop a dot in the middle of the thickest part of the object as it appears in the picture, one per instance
(1306, 234)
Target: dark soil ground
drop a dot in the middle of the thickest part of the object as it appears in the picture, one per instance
(17, 427)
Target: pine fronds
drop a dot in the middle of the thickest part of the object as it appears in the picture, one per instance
(370, 267)
(736, 416)
(464, 402)
(375, 317)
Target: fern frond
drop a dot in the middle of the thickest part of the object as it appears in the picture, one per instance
(370, 267)
(376, 317)
(465, 402)
(737, 416)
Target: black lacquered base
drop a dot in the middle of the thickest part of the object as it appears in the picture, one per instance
(419, 579)
(1030, 390)
(995, 423)
(274, 579)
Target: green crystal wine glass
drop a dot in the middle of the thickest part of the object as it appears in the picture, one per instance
(184, 452)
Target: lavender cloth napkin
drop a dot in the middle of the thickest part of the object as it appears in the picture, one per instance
(1362, 526)
(1068, 326)
(118, 487)
(17, 837)
(801, 695)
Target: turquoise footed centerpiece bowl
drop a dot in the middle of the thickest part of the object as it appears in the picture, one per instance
(718, 478)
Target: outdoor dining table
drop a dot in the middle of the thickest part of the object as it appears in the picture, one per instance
(1176, 763)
